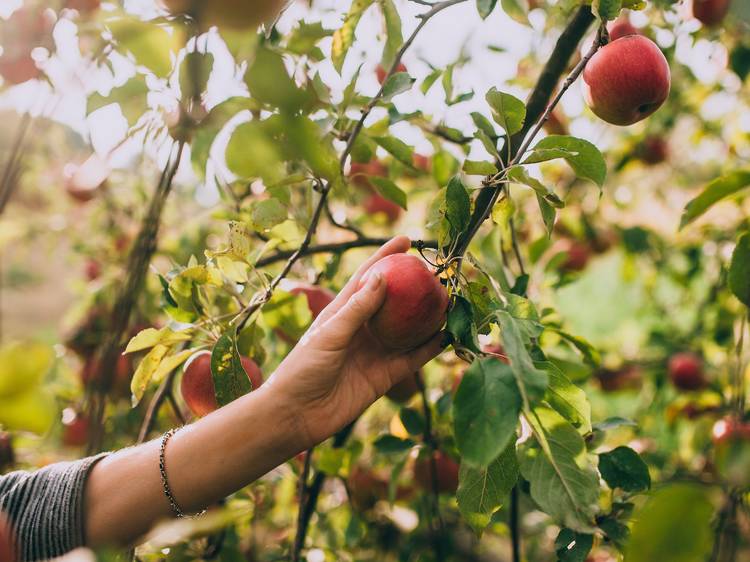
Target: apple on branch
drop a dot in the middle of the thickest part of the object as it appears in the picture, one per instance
(710, 12)
(446, 470)
(626, 80)
(230, 14)
(686, 371)
(381, 72)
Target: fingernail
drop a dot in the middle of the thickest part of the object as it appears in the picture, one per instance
(373, 281)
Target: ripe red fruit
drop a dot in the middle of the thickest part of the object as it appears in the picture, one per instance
(75, 428)
(7, 455)
(93, 269)
(624, 378)
(626, 80)
(654, 150)
(8, 547)
(421, 162)
(415, 305)
(83, 182)
(686, 371)
(620, 28)
(578, 255)
(446, 469)
(232, 14)
(710, 12)
(19, 69)
(317, 297)
(197, 384)
(402, 391)
(729, 429)
(358, 172)
(381, 72)
(376, 204)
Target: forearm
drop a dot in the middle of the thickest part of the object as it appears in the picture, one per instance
(205, 462)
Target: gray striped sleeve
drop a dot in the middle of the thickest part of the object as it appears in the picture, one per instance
(46, 507)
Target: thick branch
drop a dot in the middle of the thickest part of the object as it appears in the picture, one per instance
(537, 106)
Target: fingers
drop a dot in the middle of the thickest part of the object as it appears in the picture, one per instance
(347, 321)
(396, 245)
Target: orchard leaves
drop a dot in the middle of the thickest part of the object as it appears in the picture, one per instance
(739, 270)
(229, 376)
(720, 188)
(508, 111)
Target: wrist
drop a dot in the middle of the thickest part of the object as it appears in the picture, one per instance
(288, 413)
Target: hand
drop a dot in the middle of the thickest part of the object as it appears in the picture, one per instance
(338, 368)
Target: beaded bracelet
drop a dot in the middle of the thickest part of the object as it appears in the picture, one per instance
(163, 471)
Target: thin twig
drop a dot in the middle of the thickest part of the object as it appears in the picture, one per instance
(164, 391)
(514, 523)
(299, 539)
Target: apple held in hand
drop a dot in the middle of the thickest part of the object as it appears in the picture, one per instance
(686, 371)
(231, 14)
(626, 80)
(710, 12)
(446, 470)
(415, 304)
(197, 384)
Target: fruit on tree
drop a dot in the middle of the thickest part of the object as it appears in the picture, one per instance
(83, 182)
(7, 454)
(446, 470)
(75, 428)
(729, 429)
(421, 162)
(415, 304)
(366, 488)
(358, 172)
(626, 80)
(83, 6)
(686, 371)
(317, 297)
(381, 72)
(627, 377)
(92, 371)
(653, 150)
(27, 28)
(92, 269)
(731, 439)
(230, 14)
(577, 257)
(375, 204)
(710, 12)
(620, 28)
(404, 390)
(197, 384)
(8, 547)
(556, 123)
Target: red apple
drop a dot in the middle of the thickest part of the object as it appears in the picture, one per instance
(730, 429)
(446, 470)
(7, 455)
(75, 428)
(381, 72)
(197, 384)
(626, 80)
(18, 69)
(358, 172)
(653, 150)
(375, 204)
(8, 547)
(231, 14)
(710, 12)
(83, 182)
(578, 255)
(421, 162)
(686, 371)
(317, 297)
(93, 269)
(402, 391)
(620, 28)
(415, 305)
(627, 377)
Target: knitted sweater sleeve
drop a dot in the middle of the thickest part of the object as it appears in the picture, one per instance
(45, 507)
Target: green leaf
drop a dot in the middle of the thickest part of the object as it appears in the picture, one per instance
(484, 125)
(23, 366)
(429, 80)
(287, 313)
(589, 352)
(585, 159)
(398, 148)
(33, 410)
(573, 547)
(267, 213)
(148, 338)
(303, 38)
(461, 324)
(531, 380)
(194, 74)
(479, 168)
(739, 270)
(412, 421)
(519, 174)
(398, 83)
(393, 37)
(606, 9)
(485, 411)
(481, 491)
(508, 111)
(131, 97)
(567, 399)
(673, 526)
(391, 444)
(250, 343)
(548, 212)
(230, 379)
(145, 371)
(268, 82)
(517, 10)
(457, 205)
(343, 38)
(389, 190)
(563, 482)
(613, 423)
(485, 7)
(251, 153)
(152, 46)
(623, 468)
(715, 191)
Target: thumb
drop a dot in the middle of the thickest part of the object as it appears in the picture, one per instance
(358, 309)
